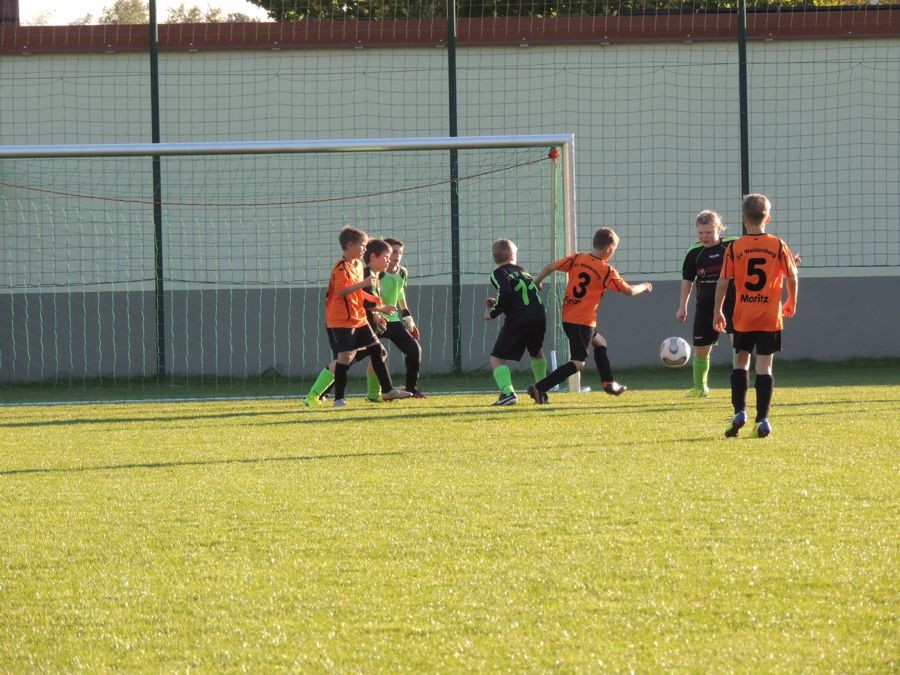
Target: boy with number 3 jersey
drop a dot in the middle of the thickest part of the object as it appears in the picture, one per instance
(758, 263)
(589, 277)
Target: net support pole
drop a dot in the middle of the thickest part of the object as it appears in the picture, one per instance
(742, 88)
(571, 231)
(157, 197)
(455, 253)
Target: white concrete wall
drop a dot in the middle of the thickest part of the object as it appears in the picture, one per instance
(657, 140)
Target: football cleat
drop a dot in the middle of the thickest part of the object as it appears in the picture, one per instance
(507, 399)
(415, 393)
(697, 393)
(762, 429)
(395, 394)
(737, 422)
(377, 399)
(540, 397)
(339, 403)
(310, 401)
(614, 388)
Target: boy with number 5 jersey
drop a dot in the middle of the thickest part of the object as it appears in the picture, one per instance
(758, 263)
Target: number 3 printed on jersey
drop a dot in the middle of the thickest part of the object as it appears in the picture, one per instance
(580, 290)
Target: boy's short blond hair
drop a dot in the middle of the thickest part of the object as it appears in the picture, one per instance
(503, 251)
(604, 237)
(710, 217)
(755, 208)
(351, 235)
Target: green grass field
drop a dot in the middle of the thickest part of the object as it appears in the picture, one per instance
(594, 534)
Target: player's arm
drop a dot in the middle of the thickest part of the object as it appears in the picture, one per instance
(617, 283)
(494, 307)
(718, 317)
(681, 312)
(344, 291)
(790, 305)
(545, 272)
(637, 289)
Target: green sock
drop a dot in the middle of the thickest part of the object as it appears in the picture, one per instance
(503, 378)
(539, 369)
(701, 371)
(323, 381)
(373, 386)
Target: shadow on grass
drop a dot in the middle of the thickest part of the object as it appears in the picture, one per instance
(576, 405)
(199, 462)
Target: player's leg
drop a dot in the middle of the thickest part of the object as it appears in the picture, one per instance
(503, 377)
(323, 383)
(509, 346)
(338, 340)
(769, 343)
(700, 368)
(534, 342)
(705, 338)
(740, 381)
(341, 366)
(412, 353)
(373, 386)
(376, 352)
(579, 338)
(601, 359)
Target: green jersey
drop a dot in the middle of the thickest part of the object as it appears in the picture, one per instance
(391, 291)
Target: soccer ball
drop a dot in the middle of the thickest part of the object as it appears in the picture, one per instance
(674, 352)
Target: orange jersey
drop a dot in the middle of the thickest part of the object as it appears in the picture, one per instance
(758, 264)
(347, 311)
(588, 279)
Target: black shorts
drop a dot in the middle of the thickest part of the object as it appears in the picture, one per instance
(704, 333)
(350, 339)
(520, 332)
(764, 342)
(579, 340)
(396, 332)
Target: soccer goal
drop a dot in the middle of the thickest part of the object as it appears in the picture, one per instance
(180, 260)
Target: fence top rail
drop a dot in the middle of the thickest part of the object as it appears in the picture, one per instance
(285, 147)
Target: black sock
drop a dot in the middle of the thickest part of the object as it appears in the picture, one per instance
(412, 371)
(340, 380)
(376, 353)
(561, 374)
(603, 365)
(765, 385)
(740, 382)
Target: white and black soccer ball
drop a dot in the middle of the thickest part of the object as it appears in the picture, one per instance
(674, 352)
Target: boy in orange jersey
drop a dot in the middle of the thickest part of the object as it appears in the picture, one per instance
(589, 276)
(348, 328)
(758, 263)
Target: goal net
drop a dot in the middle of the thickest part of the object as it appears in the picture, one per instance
(218, 267)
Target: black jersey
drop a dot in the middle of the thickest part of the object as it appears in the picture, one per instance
(702, 265)
(516, 291)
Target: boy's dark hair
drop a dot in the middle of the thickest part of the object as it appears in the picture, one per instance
(503, 251)
(394, 242)
(350, 235)
(605, 237)
(375, 247)
(755, 208)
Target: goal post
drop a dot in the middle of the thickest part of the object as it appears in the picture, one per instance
(230, 282)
